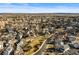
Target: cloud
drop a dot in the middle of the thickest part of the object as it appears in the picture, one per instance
(27, 8)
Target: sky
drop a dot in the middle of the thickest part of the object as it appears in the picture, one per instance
(39, 7)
